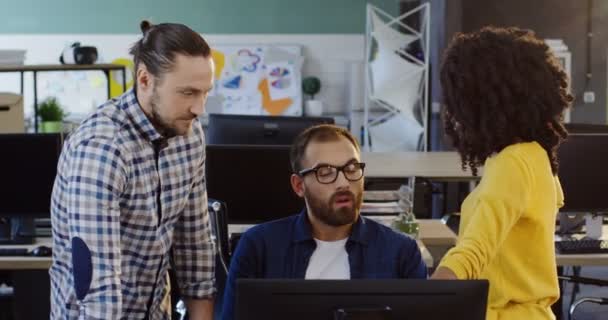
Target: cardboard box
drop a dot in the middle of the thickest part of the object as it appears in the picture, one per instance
(11, 113)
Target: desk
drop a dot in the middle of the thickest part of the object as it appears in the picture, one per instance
(27, 263)
(439, 165)
(434, 232)
(435, 166)
(582, 259)
(427, 257)
(436, 237)
(31, 282)
(585, 259)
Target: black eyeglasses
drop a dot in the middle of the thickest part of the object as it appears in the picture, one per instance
(327, 174)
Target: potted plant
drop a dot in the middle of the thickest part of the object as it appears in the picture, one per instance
(406, 223)
(311, 86)
(51, 115)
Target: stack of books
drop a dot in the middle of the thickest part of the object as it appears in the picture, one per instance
(387, 202)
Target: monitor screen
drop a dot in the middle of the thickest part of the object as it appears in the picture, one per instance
(293, 299)
(577, 128)
(253, 181)
(265, 130)
(28, 166)
(582, 165)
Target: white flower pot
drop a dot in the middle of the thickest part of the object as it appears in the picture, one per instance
(313, 108)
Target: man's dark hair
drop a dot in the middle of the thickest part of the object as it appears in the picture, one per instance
(318, 133)
(160, 43)
(502, 86)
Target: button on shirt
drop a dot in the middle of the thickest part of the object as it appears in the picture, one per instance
(137, 201)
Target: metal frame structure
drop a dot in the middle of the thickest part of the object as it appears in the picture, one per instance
(372, 99)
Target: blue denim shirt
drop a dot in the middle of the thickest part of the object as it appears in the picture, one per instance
(282, 249)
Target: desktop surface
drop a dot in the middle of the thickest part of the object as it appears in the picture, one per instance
(320, 299)
(26, 261)
(577, 128)
(445, 165)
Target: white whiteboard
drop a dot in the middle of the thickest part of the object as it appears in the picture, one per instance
(257, 79)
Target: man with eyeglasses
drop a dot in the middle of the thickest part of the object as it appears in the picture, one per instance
(328, 239)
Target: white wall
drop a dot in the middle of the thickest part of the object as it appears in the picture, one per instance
(329, 57)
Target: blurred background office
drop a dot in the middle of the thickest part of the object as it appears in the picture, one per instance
(281, 66)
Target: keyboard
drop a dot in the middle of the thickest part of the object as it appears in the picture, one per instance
(4, 252)
(582, 246)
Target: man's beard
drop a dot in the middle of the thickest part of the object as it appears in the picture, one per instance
(164, 128)
(332, 216)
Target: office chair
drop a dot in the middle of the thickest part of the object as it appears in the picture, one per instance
(582, 280)
(602, 301)
(219, 233)
(219, 224)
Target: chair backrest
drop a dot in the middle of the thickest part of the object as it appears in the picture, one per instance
(219, 225)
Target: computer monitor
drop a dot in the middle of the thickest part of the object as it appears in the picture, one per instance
(379, 299)
(582, 172)
(253, 181)
(28, 166)
(265, 130)
(577, 128)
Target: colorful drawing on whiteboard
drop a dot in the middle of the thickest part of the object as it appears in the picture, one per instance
(233, 83)
(283, 78)
(279, 72)
(246, 60)
(273, 107)
(219, 60)
(281, 83)
(260, 79)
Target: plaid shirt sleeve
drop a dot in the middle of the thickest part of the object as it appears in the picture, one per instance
(96, 175)
(193, 247)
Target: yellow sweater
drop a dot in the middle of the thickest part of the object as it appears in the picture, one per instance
(506, 234)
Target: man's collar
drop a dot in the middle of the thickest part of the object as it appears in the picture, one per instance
(128, 102)
(303, 230)
(360, 232)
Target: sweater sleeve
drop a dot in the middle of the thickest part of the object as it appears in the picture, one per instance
(503, 197)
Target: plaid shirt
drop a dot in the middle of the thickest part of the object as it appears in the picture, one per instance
(107, 193)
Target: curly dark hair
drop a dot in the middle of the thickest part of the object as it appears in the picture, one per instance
(502, 86)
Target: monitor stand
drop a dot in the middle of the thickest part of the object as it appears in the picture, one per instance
(594, 225)
(571, 222)
(375, 313)
(17, 230)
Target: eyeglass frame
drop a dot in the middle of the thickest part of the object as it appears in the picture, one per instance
(339, 169)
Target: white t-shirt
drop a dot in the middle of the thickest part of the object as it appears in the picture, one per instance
(329, 261)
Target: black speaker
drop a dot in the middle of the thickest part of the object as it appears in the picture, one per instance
(423, 199)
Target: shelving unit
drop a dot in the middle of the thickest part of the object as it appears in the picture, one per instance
(35, 69)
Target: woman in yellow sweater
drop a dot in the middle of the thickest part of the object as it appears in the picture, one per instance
(505, 94)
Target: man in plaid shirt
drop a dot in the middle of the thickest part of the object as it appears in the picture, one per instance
(129, 200)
